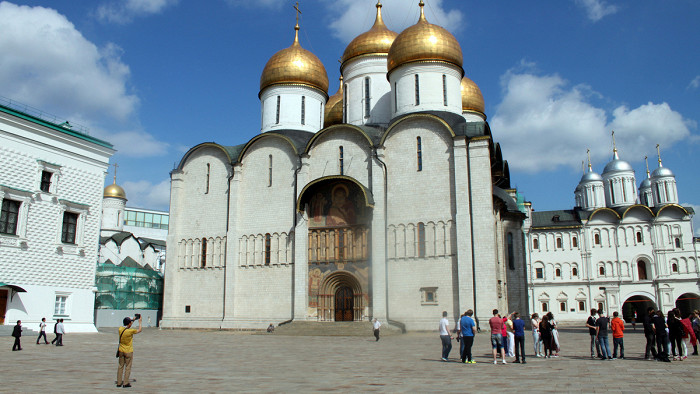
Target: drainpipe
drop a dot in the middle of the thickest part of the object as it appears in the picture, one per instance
(228, 213)
(294, 238)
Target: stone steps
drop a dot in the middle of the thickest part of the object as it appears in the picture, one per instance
(6, 331)
(337, 329)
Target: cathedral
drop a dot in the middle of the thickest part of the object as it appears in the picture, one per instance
(388, 200)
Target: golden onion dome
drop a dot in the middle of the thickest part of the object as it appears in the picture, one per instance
(376, 40)
(424, 42)
(472, 99)
(333, 114)
(295, 66)
(114, 191)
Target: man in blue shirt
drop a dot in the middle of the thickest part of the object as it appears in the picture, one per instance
(519, 333)
(467, 328)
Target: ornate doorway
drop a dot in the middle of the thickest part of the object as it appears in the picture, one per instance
(344, 304)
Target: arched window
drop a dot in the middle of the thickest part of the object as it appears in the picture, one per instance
(341, 158)
(419, 153)
(367, 99)
(539, 273)
(678, 242)
(545, 307)
(277, 115)
(581, 306)
(558, 243)
(674, 267)
(557, 272)
(204, 252)
(444, 90)
(267, 248)
(574, 272)
(303, 110)
(511, 256)
(417, 90)
(639, 236)
(642, 270)
(208, 174)
(535, 244)
(421, 239)
(562, 307)
(601, 271)
(269, 171)
(596, 239)
(574, 242)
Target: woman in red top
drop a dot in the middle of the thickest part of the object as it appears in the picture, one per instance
(688, 336)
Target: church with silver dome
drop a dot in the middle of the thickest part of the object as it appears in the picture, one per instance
(389, 199)
(621, 248)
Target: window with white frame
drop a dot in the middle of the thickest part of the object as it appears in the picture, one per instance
(14, 205)
(61, 305)
(9, 216)
(47, 176)
(72, 224)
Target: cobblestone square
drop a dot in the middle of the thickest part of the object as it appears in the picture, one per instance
(225, 361)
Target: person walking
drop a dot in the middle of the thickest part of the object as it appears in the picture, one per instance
(546, 335)
(496, 325)
(660, 334)
(590, 323)
(648, 323)
(375, 325)
(445, 336)
(55, 331)
(602, 324)
(467, 328)
(519, 338)
(60, 330)
(618, 327)
(535, 326)
(675, 334)
(42, 331)
(17, 333)
(126, 351)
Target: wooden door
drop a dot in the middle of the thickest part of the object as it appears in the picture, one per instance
(344, 304)
(3, 305)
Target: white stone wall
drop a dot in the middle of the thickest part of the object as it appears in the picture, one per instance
(290, 108)
(354, 74)
(431, 96)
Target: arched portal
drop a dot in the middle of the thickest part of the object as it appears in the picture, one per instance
(687, 303)
(344, 305)
(638, 304)
(341, 298)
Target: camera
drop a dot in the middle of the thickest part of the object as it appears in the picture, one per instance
(137, 316)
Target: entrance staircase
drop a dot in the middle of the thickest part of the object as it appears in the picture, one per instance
(332, 329)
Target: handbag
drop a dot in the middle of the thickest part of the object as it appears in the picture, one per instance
(120, 341)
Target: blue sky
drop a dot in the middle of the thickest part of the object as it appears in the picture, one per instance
(155, 77)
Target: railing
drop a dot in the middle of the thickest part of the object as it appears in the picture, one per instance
(45, 116)
(337, 245)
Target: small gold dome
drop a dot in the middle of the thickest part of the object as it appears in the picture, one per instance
(295, 65)
(376, 40)
(114, 191)
(472, 99)
(333, 114)
(424, 42)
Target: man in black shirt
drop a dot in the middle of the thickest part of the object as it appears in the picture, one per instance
(660, 333)
(590, 323)
(601, 325)
(649, 351)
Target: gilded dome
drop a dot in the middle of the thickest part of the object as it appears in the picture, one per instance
(114, 191)
(424, 42)
(333, 113)
(472, 100)
(377, 40)
(295, 65)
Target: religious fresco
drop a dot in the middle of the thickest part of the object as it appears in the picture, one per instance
(319, 272)
(337, 204)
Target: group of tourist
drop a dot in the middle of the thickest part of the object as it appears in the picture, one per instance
(58, 330)
(670, 331)
(545, 335)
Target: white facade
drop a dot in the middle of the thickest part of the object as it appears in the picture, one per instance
(619, 257)
(51, 253)
(367, 91)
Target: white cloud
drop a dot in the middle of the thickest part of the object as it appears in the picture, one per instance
(124, 11)
(144, 194)
(136, 144)
(597, 9)
(543, 123)
(695, 83)
(351, 18)
(48, 64)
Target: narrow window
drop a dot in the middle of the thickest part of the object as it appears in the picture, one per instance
(639, 236)
(581, 306)
(601, 271)
(367, 99)
(600, 306)
(511, 256)
(535, 244)
(562, 306)
(9, 216)
(558, 243)
(208, 174)
(419, 153)
(574, 272)
(341, 158)
(668, 195)
(557, 272)
(421, 239)
(268, 239)
(674, 267)
(545, 307)
(596, 239)
(444, 90)
(642, 270)
(204, 253)
(574, 242)
(539, 273)
(678, 242)
(277, 116)
(345, 104)
(269, 171)
(70, 224)
(417, 90)
(658, 194)
(396, 102)
(612, 192)
(303, 110)
(45, 181)
(187, 309)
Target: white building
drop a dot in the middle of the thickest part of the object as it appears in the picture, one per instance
(387, 200)
(612, 251)
(51, 180)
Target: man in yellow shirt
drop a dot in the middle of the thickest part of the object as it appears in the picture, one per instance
(126, 350)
